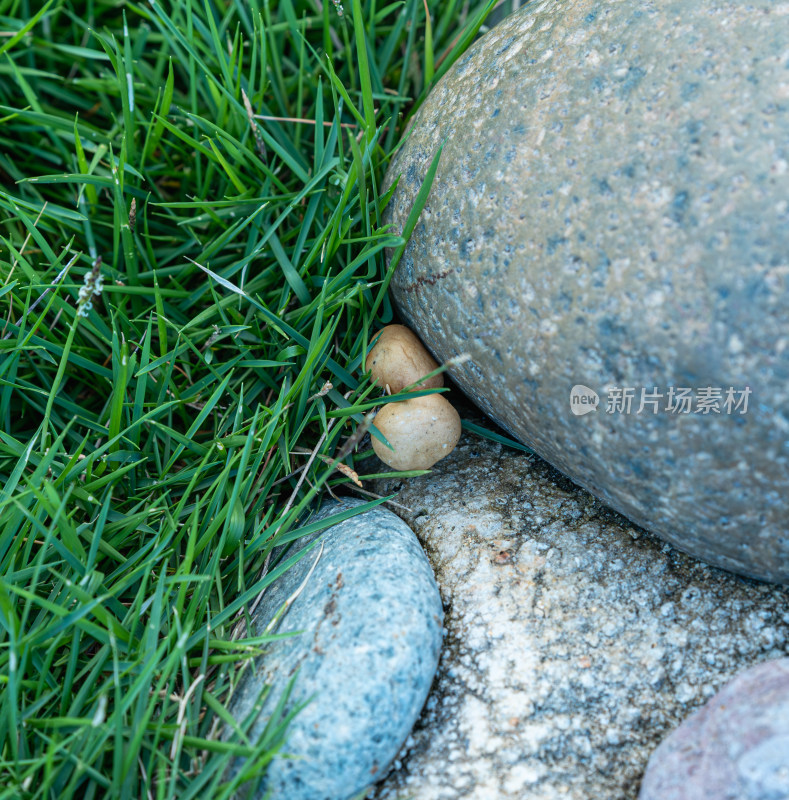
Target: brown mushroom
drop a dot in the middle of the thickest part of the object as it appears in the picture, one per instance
(421, 431)
(398, 359)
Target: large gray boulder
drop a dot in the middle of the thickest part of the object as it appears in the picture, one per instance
(611, 212)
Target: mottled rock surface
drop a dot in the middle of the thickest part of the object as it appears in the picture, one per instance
(735, 748)
(611, 209)
(371, 620)
(576, 641)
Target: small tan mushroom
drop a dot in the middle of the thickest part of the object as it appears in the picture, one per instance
(421, 431)
(399, 359)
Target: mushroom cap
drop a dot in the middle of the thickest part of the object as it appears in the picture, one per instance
(421, 431)
(399, 359)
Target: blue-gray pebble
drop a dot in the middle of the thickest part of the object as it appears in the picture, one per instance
(371, 618)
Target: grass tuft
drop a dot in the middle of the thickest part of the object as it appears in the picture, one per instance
(191, 270)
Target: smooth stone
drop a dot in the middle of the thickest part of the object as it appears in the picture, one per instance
(735, 748)
(371, 623)
(611, 209)
(575, 640)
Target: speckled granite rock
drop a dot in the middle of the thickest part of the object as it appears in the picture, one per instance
(575, 643)
(735, 748)
(611, 209)
(372, 621)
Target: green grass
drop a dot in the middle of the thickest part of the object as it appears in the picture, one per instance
(218, 165)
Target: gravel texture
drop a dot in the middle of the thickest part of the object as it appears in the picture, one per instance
(611, 210)
(576, 641)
